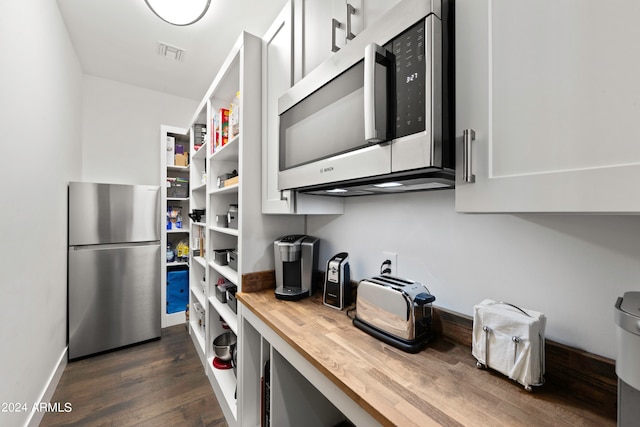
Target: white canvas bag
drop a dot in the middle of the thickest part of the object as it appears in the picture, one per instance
(510, 340)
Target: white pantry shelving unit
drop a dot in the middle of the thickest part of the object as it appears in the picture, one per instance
(174, 235)
(197, 245)
(253, 238)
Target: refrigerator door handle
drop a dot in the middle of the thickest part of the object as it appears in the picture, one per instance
(105, 246)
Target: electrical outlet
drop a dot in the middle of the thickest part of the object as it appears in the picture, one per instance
(393, 257)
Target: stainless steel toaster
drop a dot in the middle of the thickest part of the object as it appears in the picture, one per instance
(394, 310)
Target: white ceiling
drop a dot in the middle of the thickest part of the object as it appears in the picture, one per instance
(118, 40)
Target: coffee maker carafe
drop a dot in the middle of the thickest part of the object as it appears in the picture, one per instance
(296, 258)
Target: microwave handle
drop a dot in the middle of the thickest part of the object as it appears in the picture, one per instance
(376, 94)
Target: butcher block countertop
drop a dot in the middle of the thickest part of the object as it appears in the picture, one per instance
(438, 386)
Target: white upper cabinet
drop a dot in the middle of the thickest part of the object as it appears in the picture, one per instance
(277, 78)
(551, 90)
(312, 36)
(277, 49)
(324, 26)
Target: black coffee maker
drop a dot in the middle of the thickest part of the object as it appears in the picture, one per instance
(337, 282)
(296, 259)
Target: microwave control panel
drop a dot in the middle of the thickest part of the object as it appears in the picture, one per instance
(410, 74)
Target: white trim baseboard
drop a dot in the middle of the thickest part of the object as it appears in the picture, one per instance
(47, 393)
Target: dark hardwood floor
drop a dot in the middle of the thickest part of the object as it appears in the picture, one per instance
(159, 383)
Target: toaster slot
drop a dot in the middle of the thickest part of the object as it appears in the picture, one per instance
(391, 280)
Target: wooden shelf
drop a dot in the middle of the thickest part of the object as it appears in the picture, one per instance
(199, 294)
(230, 189)
(197, 332)
(177, 264)
(229, 152)
(177, 230)
(226, 271)
(200, 154)
(199, 187)
(225, 381)
(226, 313)
(229, 231)
(200, 260)
(199, 345)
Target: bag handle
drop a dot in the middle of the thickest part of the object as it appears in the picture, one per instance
(512, 305)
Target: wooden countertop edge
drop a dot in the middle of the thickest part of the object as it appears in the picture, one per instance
(377, 415)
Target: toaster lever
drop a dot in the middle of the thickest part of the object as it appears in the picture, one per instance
(423, 298)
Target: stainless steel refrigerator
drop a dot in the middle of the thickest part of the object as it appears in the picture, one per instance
(114, 266)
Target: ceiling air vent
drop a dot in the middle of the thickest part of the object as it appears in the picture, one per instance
(170, 52)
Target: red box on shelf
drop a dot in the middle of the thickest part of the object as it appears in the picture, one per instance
(221, 128)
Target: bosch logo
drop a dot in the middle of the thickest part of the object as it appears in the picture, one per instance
(329, 169)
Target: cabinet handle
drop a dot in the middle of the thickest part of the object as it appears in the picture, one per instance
(334, 25)
(376, 120)
(350, 12)
(469, 136)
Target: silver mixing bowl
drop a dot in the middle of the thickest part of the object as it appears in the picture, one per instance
(223, 346)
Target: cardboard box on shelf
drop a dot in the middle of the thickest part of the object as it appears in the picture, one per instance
(182, 159)
(231, 181)
(224, 127)
(222, 134)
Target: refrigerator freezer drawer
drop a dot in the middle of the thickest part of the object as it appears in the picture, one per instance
(113, 213)
(114, 297)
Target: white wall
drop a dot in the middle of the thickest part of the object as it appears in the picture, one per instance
(570, 267)
(40, 118)
(121, 130)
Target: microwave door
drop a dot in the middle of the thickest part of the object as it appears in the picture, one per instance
(322, 137)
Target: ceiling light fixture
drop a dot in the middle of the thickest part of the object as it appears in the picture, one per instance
(179, 12)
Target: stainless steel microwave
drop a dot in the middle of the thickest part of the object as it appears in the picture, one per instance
(377, 116)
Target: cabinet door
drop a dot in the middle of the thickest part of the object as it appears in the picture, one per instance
(368, 12)
(277, 73)
(551, 90)
(312, 34)
(277, 49)
(323, 27)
